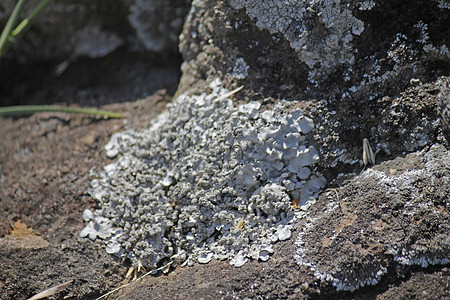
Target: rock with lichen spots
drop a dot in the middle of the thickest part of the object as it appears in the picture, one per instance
(394, 213)
(325, 49)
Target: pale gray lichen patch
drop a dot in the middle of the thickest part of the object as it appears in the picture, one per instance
(240, 69)
(443, 4)
(206, 180)
(406, 59)
(396, 212)
(367, 5)
(321, 32)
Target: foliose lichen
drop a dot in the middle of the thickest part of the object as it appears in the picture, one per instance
(205, 180)
(240, 69)
(443, 4)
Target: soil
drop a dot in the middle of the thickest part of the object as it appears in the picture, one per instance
(47, 161)
(45, 169)
(46, 165)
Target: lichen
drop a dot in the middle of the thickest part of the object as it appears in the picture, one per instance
(367, 5)
(240, 69)
(383, 217)
(445, 4)
(321, 32)
(206, 180)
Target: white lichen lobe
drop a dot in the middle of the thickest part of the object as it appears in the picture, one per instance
(206, 180)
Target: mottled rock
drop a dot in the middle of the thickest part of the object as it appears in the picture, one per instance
(352, 49)
(444, 107)
(361, 81)
(70, 29)
(394, 213)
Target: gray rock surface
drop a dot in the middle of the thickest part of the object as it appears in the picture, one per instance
(337, 50)
(359, 73)
(357, 88)
(444, 109)
(71, 29)
(353, 87)
(394, 213)
(386, 227)
(371, 69)
(45, 182)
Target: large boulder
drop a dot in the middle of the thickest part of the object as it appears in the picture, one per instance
(316, 49)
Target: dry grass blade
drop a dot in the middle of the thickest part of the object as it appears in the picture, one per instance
(51, 291)
(368, 155)
(229, 94)
(125, 285)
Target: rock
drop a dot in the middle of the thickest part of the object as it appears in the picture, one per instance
(158, 23)
(71, 29)
(444, 108)
(349, 70)
(322, 49)
(358, 80)
(395, 213)
(26, 152)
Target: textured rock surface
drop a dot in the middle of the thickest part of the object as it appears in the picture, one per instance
(393, 213)
(444, 109)
(69, 29)
(393, 125)
(382, 82)
(44, 182)
(328, 49)
(93, 52)
(360, 87)
(381, 224)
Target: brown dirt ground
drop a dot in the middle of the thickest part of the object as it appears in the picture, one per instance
(45, 163)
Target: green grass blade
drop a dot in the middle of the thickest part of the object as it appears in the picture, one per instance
(30, 109)
(31, 18)
(5, 38)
